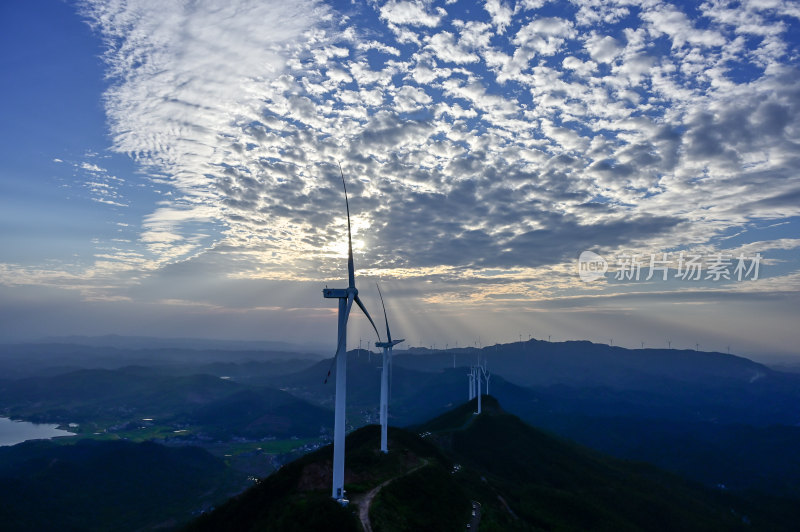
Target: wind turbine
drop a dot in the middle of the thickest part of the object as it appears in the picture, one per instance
(387, 358)
(346, 297)
(471, 376)
(478, 378)
(486, 376)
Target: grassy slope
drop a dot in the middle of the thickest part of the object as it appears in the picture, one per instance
(524, 478)
(555, 484)
(297, 497)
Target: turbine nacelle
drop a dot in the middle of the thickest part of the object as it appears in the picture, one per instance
(343, 293)
(389, 344)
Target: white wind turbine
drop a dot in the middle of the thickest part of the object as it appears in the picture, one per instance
(387, 364)
(385, 370)
(486, 376)
(346, 297)
(471, 376)
(478, 378)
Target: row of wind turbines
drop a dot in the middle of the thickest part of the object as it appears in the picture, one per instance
(348, 296)
(476, 373)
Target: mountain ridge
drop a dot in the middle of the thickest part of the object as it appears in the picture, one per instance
(524, 479)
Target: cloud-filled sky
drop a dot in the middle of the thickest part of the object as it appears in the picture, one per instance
(170, 169)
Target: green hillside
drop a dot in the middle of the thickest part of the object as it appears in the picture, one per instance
(519, 478)
(101, 486)
(297, 497)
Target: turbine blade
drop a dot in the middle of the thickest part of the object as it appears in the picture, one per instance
(341, 338)
(364, 309)
(351, 271)
(350, 299)
(388, 333)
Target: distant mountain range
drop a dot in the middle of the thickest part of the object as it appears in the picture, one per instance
(211, 406)
(582, 363)
(721, 420)
(717, 418)
(149, 342)
(37, 359)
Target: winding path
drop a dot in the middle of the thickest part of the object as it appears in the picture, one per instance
(364, 502)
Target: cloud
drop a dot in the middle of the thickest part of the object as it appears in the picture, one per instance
(500, 13)
(184, 76)
(444, 46)
(545, 35)
(674, 23)
(602, 49)
(413, 13)
(491, 144)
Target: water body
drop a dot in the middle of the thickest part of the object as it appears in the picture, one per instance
(14, 432)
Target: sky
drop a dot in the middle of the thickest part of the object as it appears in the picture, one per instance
(170, 169)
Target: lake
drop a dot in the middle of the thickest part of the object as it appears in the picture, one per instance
(14, 432)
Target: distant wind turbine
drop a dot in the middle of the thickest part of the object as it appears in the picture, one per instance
(472, 382)
(387, 361)
(478, 378)
(346, 297)
(471, 377)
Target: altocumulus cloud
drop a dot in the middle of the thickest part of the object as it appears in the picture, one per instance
(186, 77)
(507, 137)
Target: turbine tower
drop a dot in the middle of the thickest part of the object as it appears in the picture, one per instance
(478, 378)
(472, 383)
(387, 361)
(346, 297)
